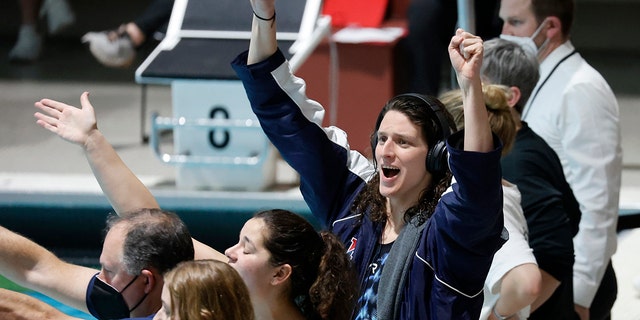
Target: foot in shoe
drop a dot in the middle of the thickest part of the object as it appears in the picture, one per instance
(58, 13)
(28, 46)
(111, 49)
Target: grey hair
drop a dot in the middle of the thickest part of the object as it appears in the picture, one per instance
(506, 63)
(154, 238)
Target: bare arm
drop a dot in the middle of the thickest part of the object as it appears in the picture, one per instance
(548, 287)
(32, 266)
(19, 306)
(467, 63)
(583, 312)
(79, 126)
(520, 288)
(122, 187)
(263, 33)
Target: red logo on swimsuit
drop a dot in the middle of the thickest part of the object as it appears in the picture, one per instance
(352, 247)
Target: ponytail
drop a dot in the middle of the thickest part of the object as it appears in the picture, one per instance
(334, 292)
(323, 280)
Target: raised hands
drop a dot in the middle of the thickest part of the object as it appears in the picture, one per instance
(465, 53)
(264, 8)
(263, 42)
(79, 126)
(70, 123)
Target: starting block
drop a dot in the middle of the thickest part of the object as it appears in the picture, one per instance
(217, 141)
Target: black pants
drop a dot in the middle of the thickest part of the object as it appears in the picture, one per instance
(155, 17)
(605, 296)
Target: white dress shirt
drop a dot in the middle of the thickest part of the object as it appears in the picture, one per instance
(576, 113)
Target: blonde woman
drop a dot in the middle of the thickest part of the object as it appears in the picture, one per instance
(204, 290)
(514, 280)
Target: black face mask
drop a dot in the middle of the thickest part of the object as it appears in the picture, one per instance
(107, 302)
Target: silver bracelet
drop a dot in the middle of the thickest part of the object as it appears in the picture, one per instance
(497, 315)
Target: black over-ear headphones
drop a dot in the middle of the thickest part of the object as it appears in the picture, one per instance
(436, 162)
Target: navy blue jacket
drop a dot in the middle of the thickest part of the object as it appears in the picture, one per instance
(458, 243)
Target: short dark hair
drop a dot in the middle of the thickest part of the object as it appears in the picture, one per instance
(563, 9)
(506, 63)
(154, 238)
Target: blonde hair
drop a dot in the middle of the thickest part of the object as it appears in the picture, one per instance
(208, 290)
(496, 99)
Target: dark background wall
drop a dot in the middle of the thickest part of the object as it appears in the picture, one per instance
(601, 25)
(91, 15)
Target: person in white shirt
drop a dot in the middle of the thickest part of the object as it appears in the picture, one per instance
(575, 111)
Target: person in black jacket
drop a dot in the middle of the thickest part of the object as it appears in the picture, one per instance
(551, 209)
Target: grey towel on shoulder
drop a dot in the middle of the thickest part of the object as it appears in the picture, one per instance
(396, 270)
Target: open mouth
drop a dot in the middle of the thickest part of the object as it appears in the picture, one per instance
(390, 172)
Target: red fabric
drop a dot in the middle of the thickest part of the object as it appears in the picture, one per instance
(363, 13)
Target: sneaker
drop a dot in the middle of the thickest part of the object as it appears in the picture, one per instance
(111, 48)
(58, 14)
(28, 46)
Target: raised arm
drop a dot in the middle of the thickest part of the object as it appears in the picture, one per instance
(32, 266)
(465, 53)
(79, 126)
(263, 31)
(122, 187)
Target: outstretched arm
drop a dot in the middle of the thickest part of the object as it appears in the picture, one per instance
(263, 31)
(19, 306)
(122, 187)
(32, 266)
(465, 53)
(79, 126)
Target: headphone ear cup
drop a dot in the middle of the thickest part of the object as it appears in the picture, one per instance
(437, 158)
